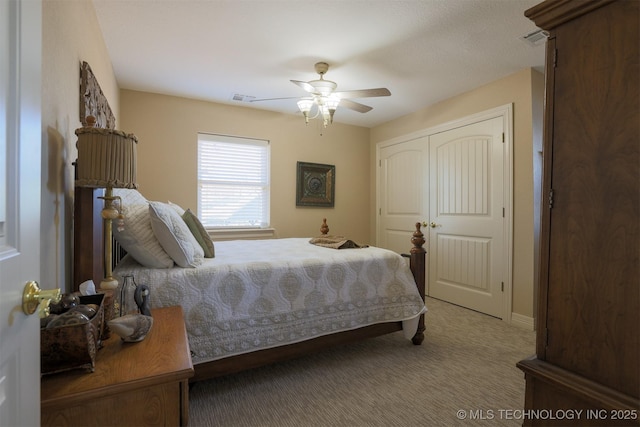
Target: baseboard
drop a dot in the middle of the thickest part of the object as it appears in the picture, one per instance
(521, 321)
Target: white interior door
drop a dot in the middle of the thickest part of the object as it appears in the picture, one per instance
(20, 135)
(466, 235)
(403, 192)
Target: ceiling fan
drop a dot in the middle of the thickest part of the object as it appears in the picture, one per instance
(323, 95)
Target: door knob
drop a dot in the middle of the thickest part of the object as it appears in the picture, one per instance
(35, 298)
(430, 224)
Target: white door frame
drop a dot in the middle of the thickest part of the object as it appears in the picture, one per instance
(20, 189)
(506, 113)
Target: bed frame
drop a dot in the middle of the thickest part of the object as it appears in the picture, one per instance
(88, 261)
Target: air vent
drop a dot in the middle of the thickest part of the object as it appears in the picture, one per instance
(535, 38)
(242, 98)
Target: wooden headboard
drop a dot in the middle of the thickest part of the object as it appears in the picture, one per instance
(88, 247)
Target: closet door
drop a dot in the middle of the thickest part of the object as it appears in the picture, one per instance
(404, 191)
(468, 255)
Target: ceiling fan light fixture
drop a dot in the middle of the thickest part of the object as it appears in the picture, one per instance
(305, 105)
(327, 116)
(322, 95)
(323, 87)
(332, 102)
(329, 119)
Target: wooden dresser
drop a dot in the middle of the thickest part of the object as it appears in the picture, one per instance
(134, 384)
(588, 331)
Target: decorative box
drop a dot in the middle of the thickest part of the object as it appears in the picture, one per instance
(73, 346)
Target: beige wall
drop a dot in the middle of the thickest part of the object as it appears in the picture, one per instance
(523, 89)
(167, 127)
(70, 35)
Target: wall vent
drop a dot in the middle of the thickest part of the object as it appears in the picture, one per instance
(535, 38)
(242, 98)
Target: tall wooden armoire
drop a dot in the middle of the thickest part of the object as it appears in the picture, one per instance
(588, 325)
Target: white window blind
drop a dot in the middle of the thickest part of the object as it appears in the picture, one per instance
(233, 181)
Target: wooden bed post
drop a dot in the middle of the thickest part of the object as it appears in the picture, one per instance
(324, 228)
(417, 265)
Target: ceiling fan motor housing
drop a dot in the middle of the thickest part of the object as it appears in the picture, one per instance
(321, 68)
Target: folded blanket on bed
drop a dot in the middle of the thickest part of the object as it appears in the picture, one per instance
(335, 242)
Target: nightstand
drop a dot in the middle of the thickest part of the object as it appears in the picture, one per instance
(134, 384)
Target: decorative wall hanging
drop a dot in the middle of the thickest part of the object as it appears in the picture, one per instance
(315, 185)
(92, 100)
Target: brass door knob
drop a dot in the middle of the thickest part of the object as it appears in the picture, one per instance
(35, 298)
(430, 224)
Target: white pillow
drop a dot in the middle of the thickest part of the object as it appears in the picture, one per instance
(176, 208)
(130, 197)
(138, 239)
(174, 235)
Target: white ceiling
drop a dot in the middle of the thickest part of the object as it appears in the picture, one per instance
(423, 51)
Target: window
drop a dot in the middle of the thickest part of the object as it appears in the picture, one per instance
(233, 181)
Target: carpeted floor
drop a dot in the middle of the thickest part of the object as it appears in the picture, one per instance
(464, 374)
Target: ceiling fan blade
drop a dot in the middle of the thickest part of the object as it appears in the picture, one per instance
(304, 85)
(355, 106)
(363, 93)
(273, 99)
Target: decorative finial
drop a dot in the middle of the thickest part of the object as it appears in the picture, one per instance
(417, 240)
(91, 121)
(324, 228)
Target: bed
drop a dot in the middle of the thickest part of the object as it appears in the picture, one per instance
(261, 301)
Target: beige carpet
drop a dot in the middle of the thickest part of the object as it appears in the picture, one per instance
(466, 363)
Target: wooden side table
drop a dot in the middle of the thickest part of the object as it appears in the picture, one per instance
(134, 384)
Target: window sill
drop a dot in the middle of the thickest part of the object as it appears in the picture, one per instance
(241, 233)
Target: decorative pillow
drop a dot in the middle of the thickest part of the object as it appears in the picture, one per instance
(198, 231)
(138, 239)
(130, 197)
(174, 235)
(176, 208)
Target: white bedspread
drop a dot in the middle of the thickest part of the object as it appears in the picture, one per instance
(257, 294)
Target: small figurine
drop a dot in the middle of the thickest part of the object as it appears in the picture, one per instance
(131, 327)
(141, 296)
